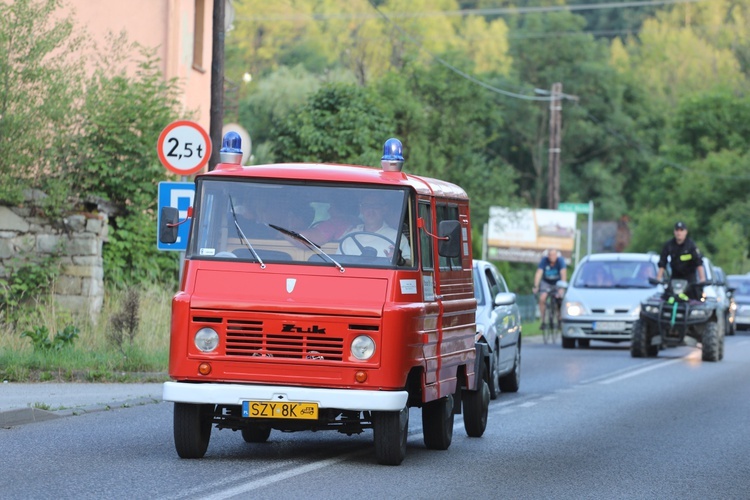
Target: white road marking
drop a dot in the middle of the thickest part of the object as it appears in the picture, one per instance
(634, 373)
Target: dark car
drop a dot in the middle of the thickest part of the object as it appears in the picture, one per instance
(740, 286)
(498, 321)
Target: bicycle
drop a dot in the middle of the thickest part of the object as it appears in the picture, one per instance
(552, 330)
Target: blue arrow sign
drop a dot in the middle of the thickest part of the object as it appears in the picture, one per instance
(180, 196)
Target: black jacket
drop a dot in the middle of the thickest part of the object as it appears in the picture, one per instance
(685, 258)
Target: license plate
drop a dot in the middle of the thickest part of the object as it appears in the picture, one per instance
(268, 409)
(610, 326)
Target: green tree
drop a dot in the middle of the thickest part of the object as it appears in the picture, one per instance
(117, 158)
(40, 82)
(339, 124)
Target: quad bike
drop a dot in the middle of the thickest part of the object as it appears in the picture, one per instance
(679, 316)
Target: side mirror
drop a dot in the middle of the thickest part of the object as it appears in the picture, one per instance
(450, 247)
(505, 299)
(170, 216)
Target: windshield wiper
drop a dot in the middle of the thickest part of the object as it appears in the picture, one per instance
(306, 241)
(243, 237)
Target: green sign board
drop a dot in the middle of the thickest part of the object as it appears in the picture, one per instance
(579, 208)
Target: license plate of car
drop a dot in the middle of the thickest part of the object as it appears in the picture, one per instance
(610, 326)
(281, 409)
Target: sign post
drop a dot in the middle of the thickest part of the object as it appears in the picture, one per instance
(184, 148)
(582, 208)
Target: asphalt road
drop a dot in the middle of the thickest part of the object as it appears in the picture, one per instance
(587, 423)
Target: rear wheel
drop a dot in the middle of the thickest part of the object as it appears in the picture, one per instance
(476, 405)
(711, 342)
(192, 429)
(256, 434)
(390, 430)
(437, 423)
(512, 381)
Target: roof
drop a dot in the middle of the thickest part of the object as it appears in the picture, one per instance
(342, 173)
(600, 257)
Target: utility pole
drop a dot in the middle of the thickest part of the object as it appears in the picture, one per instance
(217, 83)
(553, 171)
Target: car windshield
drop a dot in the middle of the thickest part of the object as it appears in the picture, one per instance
(615, 274)
(741, 285)
(284, 222)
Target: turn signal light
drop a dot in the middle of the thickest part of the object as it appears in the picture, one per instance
(360, 377)
(204, 368)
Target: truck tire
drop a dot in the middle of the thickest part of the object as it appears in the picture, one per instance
(476, 406)
(192, 429)
(256, 434)
(390, 430)
(437, 423)
(711, 340)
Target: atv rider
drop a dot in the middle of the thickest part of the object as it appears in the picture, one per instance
(684, 257)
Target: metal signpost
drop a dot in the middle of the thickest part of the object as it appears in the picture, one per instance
(184, 148)
(582, 208)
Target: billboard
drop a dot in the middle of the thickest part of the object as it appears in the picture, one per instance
(522, 235)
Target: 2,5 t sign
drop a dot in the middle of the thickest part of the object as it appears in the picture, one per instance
(184, 147)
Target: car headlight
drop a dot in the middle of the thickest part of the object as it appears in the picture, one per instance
(651, 309)
(363, 347)
(699, 313)
(637, 311)
(206, 339)
(574, 308)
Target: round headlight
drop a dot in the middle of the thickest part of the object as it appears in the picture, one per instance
(206, 339)
(574, 309)
(363, 347)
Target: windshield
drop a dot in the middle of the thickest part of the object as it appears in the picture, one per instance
(325, 224)
(615, 274)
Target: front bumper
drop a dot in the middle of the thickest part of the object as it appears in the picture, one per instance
(235, 394)
(598, 329)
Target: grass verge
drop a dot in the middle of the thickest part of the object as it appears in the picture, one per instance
(98, 353)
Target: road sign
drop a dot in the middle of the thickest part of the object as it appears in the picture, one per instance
(180, 196)
(579, 208)
(184, 147)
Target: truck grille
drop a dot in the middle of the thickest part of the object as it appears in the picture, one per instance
(248, 338)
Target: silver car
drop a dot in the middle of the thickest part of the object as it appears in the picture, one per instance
(604, 297)
(498, 321)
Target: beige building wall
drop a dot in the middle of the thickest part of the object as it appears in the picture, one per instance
(179, 30)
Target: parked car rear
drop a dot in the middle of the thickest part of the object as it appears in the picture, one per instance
(604, 297)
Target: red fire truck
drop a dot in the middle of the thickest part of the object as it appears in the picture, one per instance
(319, 296)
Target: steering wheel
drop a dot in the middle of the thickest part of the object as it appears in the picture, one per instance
(364, 251)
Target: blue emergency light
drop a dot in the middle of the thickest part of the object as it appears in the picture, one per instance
(231, 148)
(393, 158)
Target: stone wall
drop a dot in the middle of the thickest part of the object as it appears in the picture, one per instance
(78, 239)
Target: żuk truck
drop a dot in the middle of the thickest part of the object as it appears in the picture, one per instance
(299, 310)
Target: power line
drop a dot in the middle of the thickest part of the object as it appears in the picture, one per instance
(500, 11)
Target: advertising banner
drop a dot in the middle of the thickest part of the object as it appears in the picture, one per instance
(522, 235)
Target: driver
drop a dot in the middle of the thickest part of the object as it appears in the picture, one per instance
(684, 256)
(372, 210)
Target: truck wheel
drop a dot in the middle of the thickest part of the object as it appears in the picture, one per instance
(437, 423)
(256, 434)
(512, 381)
(476, 406)
(192, 429)
(640, 342)
(390, 429)
(711, 340)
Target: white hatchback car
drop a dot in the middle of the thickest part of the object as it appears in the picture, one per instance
(604, 297)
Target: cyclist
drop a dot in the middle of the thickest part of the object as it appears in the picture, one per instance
(551, 269)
